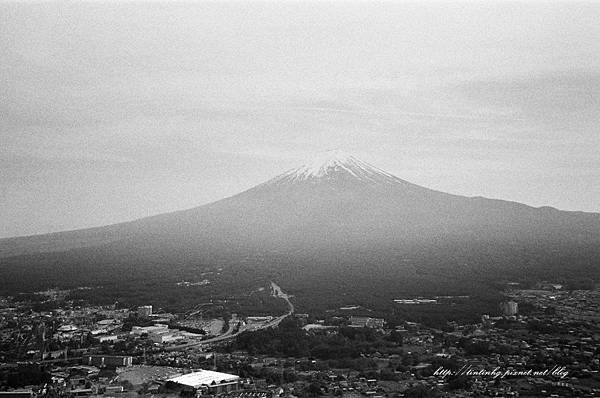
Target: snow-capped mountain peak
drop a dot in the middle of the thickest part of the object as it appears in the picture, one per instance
(325, 163)
(336, 164)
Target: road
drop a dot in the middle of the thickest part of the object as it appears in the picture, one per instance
(277, 292)
(229, 334)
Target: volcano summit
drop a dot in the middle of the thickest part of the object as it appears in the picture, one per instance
(333, 165)
(335, 219)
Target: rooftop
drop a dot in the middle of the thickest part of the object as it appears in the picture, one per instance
(204, 378)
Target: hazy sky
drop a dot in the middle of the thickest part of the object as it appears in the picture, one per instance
(115, 111)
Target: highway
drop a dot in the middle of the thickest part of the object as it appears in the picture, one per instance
(229, 334)
(277, 292)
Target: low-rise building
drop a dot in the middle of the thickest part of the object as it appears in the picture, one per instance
(17, 394)
(209, 381)
(108, 360)
(107, 339)
(144, 311)
(164, 337)
(366, 322)
(157, 328)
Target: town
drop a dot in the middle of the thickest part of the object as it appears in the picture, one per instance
(544, 341)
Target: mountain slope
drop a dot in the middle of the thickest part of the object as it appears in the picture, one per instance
(335, 216)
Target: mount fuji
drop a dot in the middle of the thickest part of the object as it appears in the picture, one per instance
(337, 219)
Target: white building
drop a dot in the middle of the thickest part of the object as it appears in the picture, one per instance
(107, 339)
(213, 382)
(366, 322)
(164, 337)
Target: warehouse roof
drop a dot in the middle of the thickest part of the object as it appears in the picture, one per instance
(204, 378)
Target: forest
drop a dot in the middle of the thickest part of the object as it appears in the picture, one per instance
(290, 340)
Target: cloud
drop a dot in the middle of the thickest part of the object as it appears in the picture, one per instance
(207, 99)
(559, 98)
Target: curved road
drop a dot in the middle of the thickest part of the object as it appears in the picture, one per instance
(229, 334)
(277, 292)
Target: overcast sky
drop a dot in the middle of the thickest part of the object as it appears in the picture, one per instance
(115, 111)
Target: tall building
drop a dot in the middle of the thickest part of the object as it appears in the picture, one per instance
(144, 311)
(509, 308)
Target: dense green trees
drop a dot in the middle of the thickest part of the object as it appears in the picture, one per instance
(25, 375)
(289, 340)
(421, 392)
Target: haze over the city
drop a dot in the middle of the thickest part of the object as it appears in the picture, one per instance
(115, 111)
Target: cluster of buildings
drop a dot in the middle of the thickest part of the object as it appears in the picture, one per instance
(93, 351)
(70, 330)
(161, 333)
(366, 322)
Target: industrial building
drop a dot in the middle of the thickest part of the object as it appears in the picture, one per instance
(208, 381)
